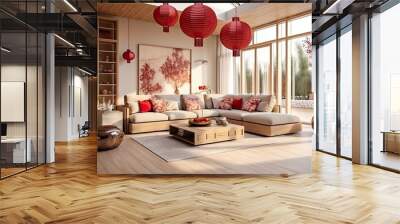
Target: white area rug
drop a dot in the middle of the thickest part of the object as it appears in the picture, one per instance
(170, 149)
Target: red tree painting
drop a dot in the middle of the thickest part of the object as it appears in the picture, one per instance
(146, 79)
(176, 69)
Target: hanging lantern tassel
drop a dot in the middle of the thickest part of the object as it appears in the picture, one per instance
(128, 55)
(236, 35)
(166, 16)
(198, 21)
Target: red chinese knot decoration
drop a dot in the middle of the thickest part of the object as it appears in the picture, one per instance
(236, 35)
(128, 55)
(198, 21)
(166, 16)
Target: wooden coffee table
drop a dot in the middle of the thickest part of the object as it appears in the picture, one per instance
(207, 134)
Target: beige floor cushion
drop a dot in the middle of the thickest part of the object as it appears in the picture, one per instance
(180, 114)
(271, 118)
(147, 117)
(207, 113)
(233, 114)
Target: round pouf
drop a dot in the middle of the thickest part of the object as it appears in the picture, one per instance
(109, 137)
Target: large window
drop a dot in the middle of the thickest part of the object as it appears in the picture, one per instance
(385, 89)
(346, 92)
(277, 62)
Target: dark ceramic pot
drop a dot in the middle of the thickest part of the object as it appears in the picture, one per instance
(109, 137)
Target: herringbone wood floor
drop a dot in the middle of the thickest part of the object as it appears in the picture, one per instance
(71, 192)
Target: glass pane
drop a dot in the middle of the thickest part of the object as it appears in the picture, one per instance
(248, 71)
(31, 98)
(327, 97)
(282, 73)
(282, 30)
(264, 70)
(346, 93)
(41, 98)
(299, 25)
(385, 84)
(265, 34)
(13, 86)
(300, 50)
(300, 67)
(236, 61)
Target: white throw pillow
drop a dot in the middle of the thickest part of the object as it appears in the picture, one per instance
(215, 101)
(172, 105)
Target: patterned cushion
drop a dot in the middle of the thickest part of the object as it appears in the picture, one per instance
(159, 105)
(267, 105)
(172, 105)
(192, 103)
(251, 104)
(226, 103)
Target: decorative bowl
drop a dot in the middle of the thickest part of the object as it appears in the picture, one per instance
(194, 122)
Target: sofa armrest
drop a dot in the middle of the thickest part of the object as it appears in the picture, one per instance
(125, 113)
(276, 109)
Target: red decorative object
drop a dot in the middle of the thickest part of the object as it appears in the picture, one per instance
(166, 16)
(145, 106)
(146, 77)
(237, 103)
(203, 87)
(236, 35)
(128, 55)
(176, 70)
(198, 21)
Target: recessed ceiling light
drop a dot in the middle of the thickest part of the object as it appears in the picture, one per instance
(84, 71)
(70, 5)
(64, 40)
(5, 50)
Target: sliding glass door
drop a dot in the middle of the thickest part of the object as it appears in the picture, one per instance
(326, 111)
(385, 90)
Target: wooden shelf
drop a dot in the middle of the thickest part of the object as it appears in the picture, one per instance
(107, 40)
(106, 28)
(107, 45)
(107, 62)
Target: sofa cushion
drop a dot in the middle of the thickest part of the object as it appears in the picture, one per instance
(191, 103)
(145, 106)
(172, 105)
(180, 114)
(147, 117)
(192, 97)
(226, 103)
(159, 105)
(267, 104)
(207, 113)
(251, 104)
(271, 118)
(233, 114)
(175, 98)
(237, 103)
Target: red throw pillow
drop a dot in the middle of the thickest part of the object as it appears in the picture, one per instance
(237, 103)
(145, 106)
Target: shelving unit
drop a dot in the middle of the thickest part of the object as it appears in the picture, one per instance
(107, 65)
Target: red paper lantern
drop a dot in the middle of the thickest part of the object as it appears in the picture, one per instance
(198, 21)
(235, 35)
(166, 16)
(128, 55)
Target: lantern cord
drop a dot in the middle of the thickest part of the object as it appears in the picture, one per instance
(128, 34)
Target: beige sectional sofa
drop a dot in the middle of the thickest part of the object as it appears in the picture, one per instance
(262, 123)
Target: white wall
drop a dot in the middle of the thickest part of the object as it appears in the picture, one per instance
(150, 33)
(69, 82)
